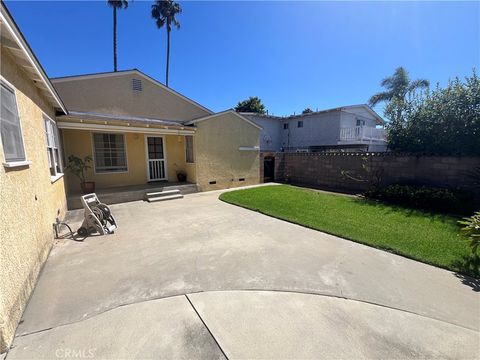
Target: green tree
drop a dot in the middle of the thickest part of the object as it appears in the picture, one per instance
(307, 111)
(398, 87)
(116, 4)
(443, 121)
(252, 104)
(164, 12)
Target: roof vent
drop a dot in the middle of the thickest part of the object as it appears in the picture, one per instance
(136, 85)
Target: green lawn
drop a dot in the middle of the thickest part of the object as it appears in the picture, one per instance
(426, 237)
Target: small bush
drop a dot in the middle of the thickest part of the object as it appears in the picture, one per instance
(425, 197)
(472, 230)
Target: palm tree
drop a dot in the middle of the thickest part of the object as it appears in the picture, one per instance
(397, 87)
(116, 4)
(163, 12)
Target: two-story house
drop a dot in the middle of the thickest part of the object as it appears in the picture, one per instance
(347, 128)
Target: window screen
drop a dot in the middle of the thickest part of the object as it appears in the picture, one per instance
(300, 124)
(110, 154)
(189, 149)
(285, 126)
(155, 148)
(10, 126)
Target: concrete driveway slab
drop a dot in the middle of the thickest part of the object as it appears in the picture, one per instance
(276, 325)
(161, 329)
(199, 243)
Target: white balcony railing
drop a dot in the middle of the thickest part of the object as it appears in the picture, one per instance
(362, 133)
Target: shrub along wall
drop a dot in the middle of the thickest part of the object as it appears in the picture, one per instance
(324, 170)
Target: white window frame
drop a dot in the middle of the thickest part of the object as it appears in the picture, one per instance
(360, 122)
(193, 152)
(94, 154)
(54, 149)
(25, 161)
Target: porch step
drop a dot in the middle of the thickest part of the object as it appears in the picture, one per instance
(164, 195)
(123, 194)
(163, 198)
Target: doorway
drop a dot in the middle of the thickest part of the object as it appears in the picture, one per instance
(268, 169)
(156, 166)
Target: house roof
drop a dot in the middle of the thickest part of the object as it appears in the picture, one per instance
(13, 39)
(377, 117)
(239, 115)
(125, 72)
(119, 118)
(120, 123)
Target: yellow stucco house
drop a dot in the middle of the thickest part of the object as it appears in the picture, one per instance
(139, 133)
(32, 191)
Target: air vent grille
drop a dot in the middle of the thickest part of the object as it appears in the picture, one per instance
(136, 85)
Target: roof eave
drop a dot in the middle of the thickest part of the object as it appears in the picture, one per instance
(7, 19)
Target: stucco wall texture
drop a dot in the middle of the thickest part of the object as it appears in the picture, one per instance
(114, 95)
(79, 143)
(29, 204)
(217, 155)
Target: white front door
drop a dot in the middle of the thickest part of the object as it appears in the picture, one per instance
(156, 165)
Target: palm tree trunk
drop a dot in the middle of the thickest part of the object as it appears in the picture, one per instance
(114, 39)
(168, 55)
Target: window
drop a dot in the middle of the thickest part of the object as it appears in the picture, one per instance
(300, 124)
(189, 149)
(10, 126)
(53, 147)
(109, 152)
(285, 126)
(360, 122)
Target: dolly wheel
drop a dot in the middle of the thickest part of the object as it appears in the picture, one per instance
(82, 231)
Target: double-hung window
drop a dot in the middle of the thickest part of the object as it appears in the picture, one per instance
(109, 153)
(10, 130)
(189, 149)
(53, 147)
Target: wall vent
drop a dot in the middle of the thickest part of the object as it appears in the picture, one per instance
(212, 182)
(241, 179)
(136, 85)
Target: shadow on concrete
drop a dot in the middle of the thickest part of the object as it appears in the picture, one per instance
(469, 265)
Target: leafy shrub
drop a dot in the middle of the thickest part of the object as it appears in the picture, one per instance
(441, 121)
(472, 230)
(425, 197)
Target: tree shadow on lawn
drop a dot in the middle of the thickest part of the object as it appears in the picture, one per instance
(469, 265)
(391, 208)
(468, 268)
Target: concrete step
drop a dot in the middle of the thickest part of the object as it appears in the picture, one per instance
(163, 193)
(184, 189)
(163, 198)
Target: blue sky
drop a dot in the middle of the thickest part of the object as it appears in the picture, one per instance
(290, 54)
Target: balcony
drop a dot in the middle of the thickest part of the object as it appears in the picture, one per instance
(362, 134)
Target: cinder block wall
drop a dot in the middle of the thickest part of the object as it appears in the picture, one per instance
(325, 170)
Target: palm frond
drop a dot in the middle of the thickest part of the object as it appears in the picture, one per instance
(418, 84)
(379, 97)
(119, 4)
(164, 11)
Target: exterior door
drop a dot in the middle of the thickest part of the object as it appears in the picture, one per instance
(268, 169)
(156, 158)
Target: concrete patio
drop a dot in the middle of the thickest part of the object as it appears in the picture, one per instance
(199, 278)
